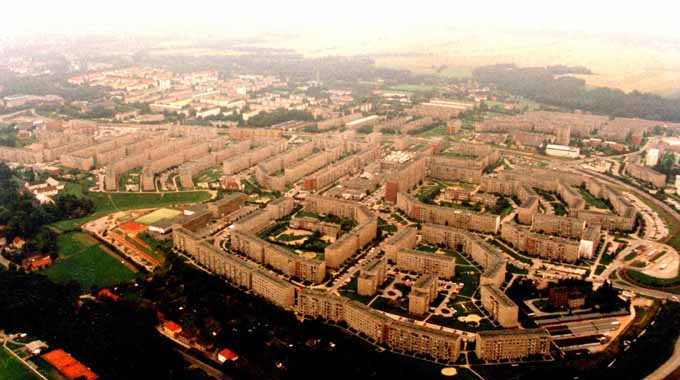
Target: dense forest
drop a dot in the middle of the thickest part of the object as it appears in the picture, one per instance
(544, 86)
(54, 84)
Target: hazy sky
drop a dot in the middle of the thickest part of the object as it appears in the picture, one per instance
(340, 16)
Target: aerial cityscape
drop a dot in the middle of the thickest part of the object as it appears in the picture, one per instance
(262, 200)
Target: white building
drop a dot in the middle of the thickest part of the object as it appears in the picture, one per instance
(562, 151)
(208, 112)
(652, 157)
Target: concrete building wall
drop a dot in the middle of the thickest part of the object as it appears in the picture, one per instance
(426, 263)
(512, 344)
(500, 306)
(403, 239)
(427, 213)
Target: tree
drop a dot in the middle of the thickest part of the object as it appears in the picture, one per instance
(666, 164)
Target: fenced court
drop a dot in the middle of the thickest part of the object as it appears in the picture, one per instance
(155, 216)
(133, 228)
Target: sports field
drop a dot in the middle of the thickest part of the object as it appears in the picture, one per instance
(11, 368)
(106, 203)
(155, 216)
(84, 260)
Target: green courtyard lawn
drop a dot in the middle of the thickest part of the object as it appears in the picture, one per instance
(469, 278)
(630, 256)
(84, 260)
(593, 200)
(13, 369)
(350, 291)
(209, 175)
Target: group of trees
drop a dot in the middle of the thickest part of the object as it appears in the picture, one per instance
(116, 339)
(281, 115)
(54, 84)
(24, 217)
(8, 135)
(544, 86)
(71, 112)
(666, 164)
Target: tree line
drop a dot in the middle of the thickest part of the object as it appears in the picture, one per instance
(543, 85)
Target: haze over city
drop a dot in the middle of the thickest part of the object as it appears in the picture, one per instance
(303, 190)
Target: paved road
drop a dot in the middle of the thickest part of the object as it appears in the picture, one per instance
(207, 368)
(668, 209)
(669, 366)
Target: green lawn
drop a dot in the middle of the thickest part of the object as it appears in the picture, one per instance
(74, 188)
(559, 208)
(470, 280)
(106, 203)
(592, 200)
(160, 214)
(644, 279)
(350, 291)
(83, 260)
(130, 201)
(439, 130)
(209, 175)
(12, 369)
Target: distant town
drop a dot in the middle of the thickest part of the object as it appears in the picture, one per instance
(444, 224)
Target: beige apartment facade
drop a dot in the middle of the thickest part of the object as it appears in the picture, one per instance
(498, 345)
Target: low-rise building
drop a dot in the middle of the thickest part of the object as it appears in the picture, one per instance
(497, 345)
(562, 151)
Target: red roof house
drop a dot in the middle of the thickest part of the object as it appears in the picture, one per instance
(226, 355)
(68, 366)
(172, 328)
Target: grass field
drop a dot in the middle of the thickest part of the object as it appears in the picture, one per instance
(413, 87)
(129, 201)
(439, 130)
(106, 203)
(644, 279)
(83, 259)
(155, 216)
(12, 369)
